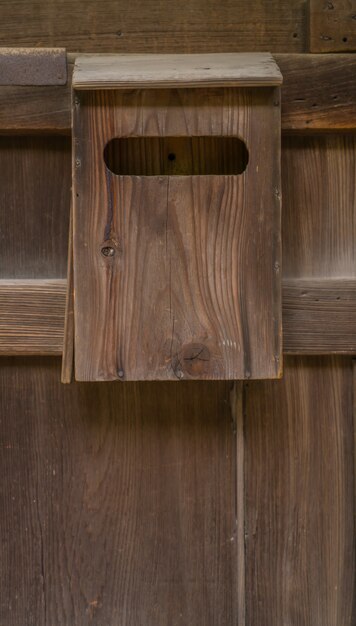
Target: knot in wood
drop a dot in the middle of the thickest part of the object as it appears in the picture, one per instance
(193, 360)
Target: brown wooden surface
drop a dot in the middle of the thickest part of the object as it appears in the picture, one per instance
(238, 416)
(151, 26)
(38, 109)
(33, 66)
(34, 201)
(318, 93)
(28, 324)
(299, 516)
(319, 316)
(193, 287)
(68, 492)
(68, 339)
(117, 501)
(332, 25)
(150, 71)
(318, 240)
(319, 226)
(32, 316)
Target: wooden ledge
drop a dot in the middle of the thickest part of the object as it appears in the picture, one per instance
(113, 71)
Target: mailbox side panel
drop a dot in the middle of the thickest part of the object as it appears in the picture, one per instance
(177, 277)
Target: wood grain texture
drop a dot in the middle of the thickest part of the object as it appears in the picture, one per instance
(332, 25)
(33, 66)
(40, 109)
(319, 206)
(34, 201)
(354, 475)
(318, 94)
(112, 71)
(32, 316)
(192, 288)
(119, 26)
(237, 413)
(68, 340)
(299, 518)
(118, 501)
(28, 325)
(319, 316)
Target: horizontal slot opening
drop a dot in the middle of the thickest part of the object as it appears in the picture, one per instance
(176, 156)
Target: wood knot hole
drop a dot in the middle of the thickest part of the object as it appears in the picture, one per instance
(107, 251)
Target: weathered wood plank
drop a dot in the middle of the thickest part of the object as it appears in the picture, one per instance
(319, 316)
(318, 94)
(237, 414)
(117, 501)
(151, 26)
(141, 71)
(190, 287)
(332, 25)
(41, 109)
(299, 518)
(32, 316)
(33, 66)
(68, 341)
(34, 206)
(319, 205)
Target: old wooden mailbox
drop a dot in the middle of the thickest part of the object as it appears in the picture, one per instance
(176, 209)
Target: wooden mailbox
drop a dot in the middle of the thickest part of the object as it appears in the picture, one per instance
(176, 209)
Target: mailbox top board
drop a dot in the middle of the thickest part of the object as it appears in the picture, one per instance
(114, 71)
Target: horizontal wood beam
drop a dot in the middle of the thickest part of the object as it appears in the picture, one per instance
(319, 316)
(332, 26)
(318, 92)
(318, 95)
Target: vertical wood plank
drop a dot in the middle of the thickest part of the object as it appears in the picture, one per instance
(68, 339)
(319, 206)
(177, 276)
(300, 543)
(237, 412)
(118, 501)
(34, 201)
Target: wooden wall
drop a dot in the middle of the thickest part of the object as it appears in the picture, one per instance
(156, 504)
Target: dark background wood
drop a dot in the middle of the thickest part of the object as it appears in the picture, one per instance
(332, 25)
(34, 197)
(122, 498)
(299, 486)
(156, 25)
(117, 501)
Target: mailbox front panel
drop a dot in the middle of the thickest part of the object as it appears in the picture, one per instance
(177, 234)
